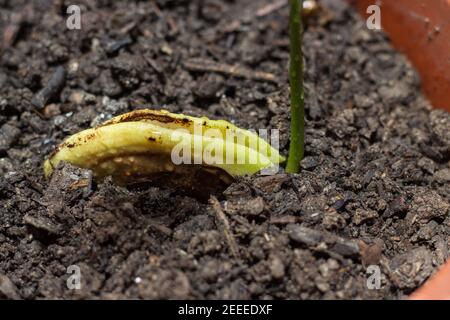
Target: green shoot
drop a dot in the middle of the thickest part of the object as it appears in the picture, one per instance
(296, 147)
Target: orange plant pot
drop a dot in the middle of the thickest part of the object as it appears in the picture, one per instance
(421, 30)
(437, 288)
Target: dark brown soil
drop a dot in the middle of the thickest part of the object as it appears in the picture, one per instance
(374, 188)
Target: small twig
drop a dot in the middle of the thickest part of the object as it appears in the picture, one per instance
(204, 65)
(115, 46)
(12, 30)
(174, 28)
(223, 220)
(128, 27)
(152, 63)
(271, 7)
(159, 227)
(281, 220)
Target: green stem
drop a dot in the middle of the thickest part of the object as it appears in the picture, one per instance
(296, 147)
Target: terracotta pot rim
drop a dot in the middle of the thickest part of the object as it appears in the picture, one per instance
(437, 287)
(427, 28)
(420, 29)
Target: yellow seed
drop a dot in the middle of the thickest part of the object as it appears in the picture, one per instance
(143, 143)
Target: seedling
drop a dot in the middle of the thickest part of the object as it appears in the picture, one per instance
(144, 144)
(296, 146)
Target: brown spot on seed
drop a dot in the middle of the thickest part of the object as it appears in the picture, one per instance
(55, 151)
(89, 137)
(151, 115)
